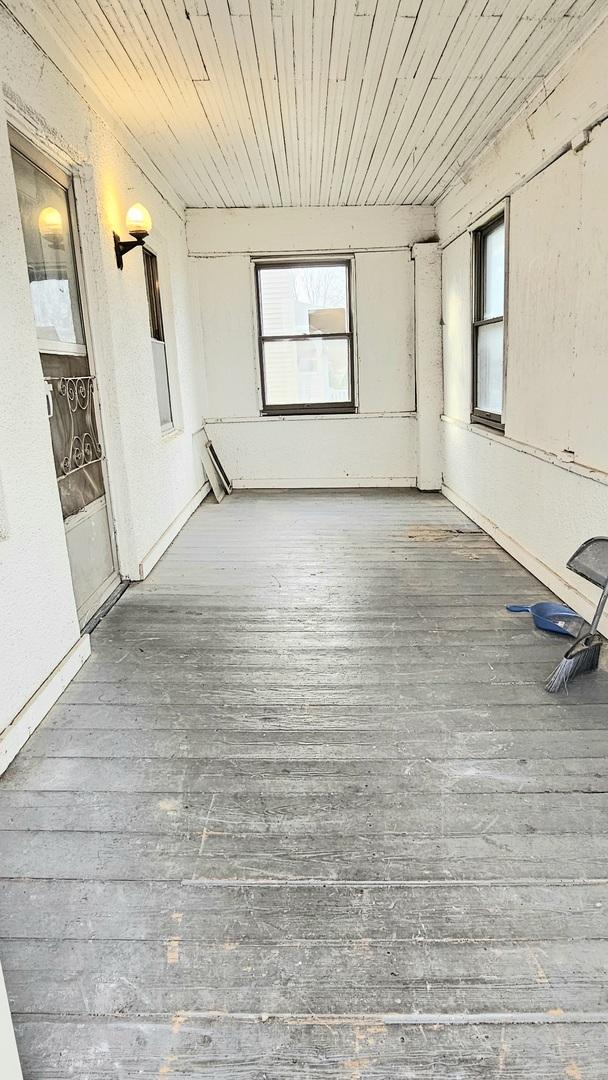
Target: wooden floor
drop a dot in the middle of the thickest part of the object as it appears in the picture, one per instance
(309, 813)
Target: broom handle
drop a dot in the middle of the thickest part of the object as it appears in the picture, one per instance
(600, 609)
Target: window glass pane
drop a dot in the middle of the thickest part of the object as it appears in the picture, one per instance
(162, 383)
(493, 254)
(489, 368)
(153, 292)
(45, 218)
(306, 372)
(303, 300)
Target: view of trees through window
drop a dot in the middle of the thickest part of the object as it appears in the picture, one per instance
(321, 286)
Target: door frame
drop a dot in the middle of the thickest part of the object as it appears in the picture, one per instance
(70, 179)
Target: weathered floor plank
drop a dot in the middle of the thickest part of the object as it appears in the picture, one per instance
(405, 813)
(372, 1047)
(555, 716)
(301, 856)
(351, 978)
(254, 914)
(168, 776)
(316, 744)
(308, 811)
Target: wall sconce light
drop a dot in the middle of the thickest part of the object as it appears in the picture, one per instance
(50, 226)
(139, 224)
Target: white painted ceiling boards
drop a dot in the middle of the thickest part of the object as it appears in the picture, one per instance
(313, 102)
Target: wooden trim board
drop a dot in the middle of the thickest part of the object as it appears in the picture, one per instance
(158, 549)
(27, 720)
(11, 1067)
(544, 573)
(210, 462)
(347, 482)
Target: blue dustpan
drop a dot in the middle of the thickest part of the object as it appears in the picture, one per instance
(557, 618)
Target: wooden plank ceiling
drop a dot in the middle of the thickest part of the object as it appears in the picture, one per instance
(314, 102)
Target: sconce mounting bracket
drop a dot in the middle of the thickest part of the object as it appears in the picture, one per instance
(122, 246)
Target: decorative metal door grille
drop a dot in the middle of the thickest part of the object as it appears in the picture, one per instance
(76, 446)
(84, 447)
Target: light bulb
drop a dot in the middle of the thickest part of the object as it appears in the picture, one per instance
(139, 222)
(50, 224)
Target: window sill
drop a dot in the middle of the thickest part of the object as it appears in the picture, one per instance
(488, 422)
(313, 410)
(166, 434)
(578, 468)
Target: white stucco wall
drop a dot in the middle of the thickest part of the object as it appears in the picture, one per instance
(152, 479)
(543, 486)
(377, 445)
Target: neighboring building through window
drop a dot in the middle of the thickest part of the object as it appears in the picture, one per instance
(488, 323)
(305, 336)
(159, 352)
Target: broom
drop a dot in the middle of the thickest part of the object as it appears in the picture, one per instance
(582, 656)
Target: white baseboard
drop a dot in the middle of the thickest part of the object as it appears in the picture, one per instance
(158, 549)
(544, 573)
(26, 721)
(11, 1068)
(326, 482)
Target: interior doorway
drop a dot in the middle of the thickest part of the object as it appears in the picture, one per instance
(48, 219)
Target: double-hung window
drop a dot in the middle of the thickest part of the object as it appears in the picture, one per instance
(488, 323)
(305, 337)
(157, 332)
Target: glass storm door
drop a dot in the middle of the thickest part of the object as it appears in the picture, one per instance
(47, 223)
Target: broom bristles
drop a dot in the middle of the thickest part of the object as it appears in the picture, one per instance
(571, 666)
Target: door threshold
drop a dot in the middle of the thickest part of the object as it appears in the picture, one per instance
(107, 605)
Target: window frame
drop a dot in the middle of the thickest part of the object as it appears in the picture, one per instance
(306, 408)
(481, 416)
(156, 321)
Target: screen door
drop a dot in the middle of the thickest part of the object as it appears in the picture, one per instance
(48, 230)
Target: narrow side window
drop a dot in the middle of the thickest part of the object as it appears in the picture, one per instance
(488, 323)
(157, 333)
